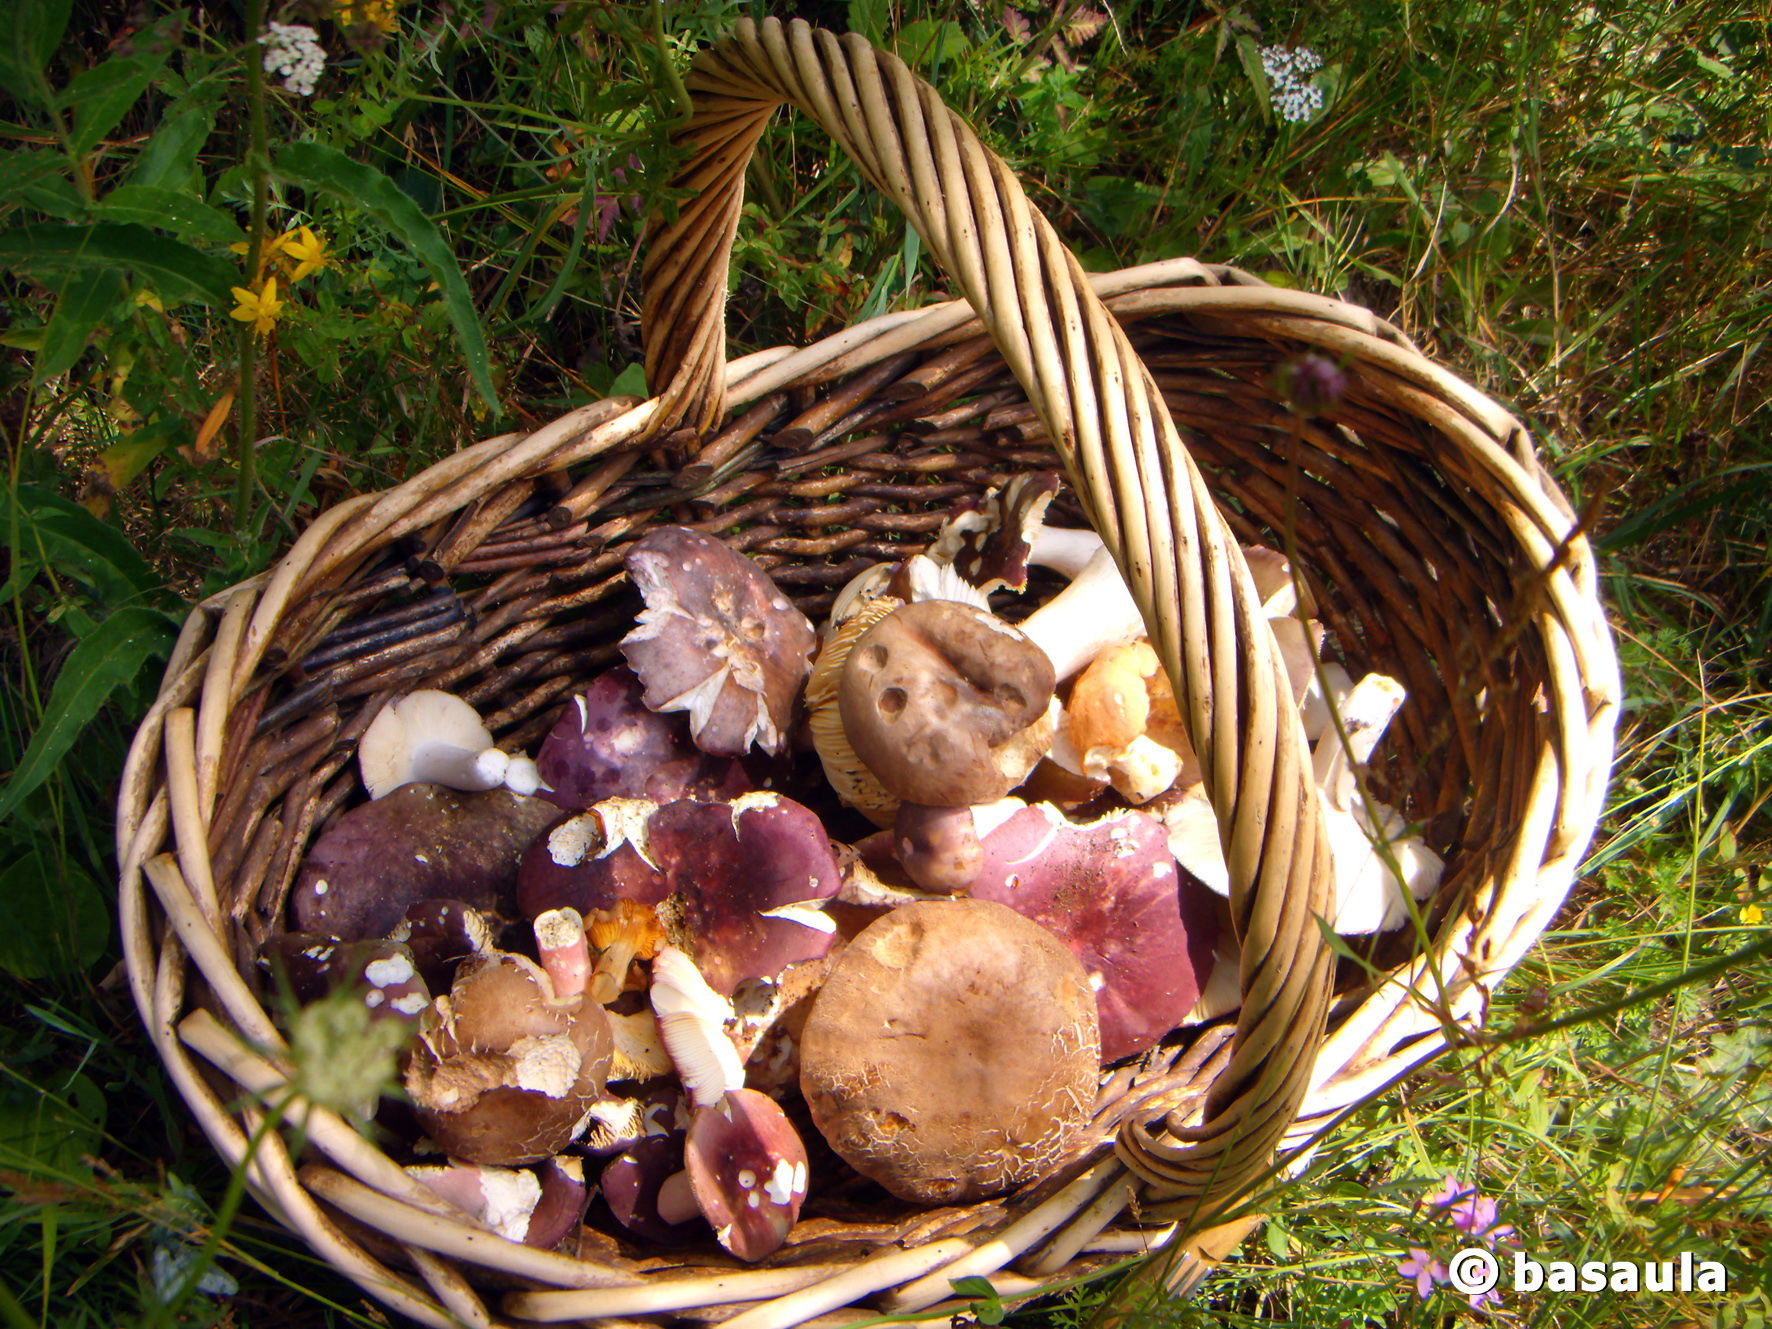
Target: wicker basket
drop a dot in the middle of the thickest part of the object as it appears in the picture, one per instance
(1437, 547)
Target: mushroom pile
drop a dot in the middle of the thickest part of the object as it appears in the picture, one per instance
(752, 923)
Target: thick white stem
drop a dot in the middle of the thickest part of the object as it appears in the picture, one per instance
(1064, 549)
(523, 776)
(1365, 713)
(1094, 612)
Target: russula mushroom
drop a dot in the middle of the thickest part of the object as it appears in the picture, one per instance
(1110, 891)
(716, 639)
(421, 842)
(947, 706)
(746, 1163)
(441, 934)
(537, 1210)
(432, 737)
(511, 1065)
(383, 972)
(904, 1062)
(719, 874)
(607, 744)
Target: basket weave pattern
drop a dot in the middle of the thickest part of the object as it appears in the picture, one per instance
(1436, 546)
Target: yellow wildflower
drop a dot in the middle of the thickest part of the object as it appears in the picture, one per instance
(1752, 915)
(269, 252)
(305, 252)
(259, 308)
(378, 12)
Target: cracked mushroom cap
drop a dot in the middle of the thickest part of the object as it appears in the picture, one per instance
(716, 639)
(1111, 892)
(720, 874)
(932, 696)
(907, 1066)
(509, 1069)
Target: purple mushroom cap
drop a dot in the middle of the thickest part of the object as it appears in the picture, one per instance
(713, 870)
(631, 1182)
(1111, 891)
(607, 744)
(717, 639)
(748, 1167)
(421, 842)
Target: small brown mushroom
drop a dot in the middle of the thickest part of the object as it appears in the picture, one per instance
(510, 1066)
(904, 1062)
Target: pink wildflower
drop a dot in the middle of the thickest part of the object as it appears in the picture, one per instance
(1424, 1270)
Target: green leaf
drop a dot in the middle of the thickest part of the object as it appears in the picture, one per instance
(86, 298)
(171, 266)
(990, 1306)
(1249, 56)
(57, 919)
(49, 1134)
(316, 167)
(169, 158)
(101, 96)
(44, 528)
(869, 18)
(30, 30)
(170, 210)
(107, 659)
(630, 382)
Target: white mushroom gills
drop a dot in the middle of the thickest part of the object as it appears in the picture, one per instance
(692, 1023)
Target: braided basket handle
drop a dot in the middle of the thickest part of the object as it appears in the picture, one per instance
(1125, 459)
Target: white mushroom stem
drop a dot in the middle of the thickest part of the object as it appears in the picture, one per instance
(1364, 714)
(523, 776)
(1094, 612)
(460, 768)
(565, 956)
(676, 1199)
(1066, 550)
(692, 1022)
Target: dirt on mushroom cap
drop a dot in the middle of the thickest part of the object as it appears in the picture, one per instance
(905, 1063)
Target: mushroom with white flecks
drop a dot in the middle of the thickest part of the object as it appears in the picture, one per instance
(722, 876)
(421, 842)
(510, 1065)
(746, 1164)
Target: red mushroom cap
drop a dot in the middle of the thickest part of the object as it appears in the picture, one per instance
(1112, 893)
(715, 870)
(607, 744)
(748, 1167)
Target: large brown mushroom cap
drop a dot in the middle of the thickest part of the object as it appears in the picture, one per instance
(933, 694)
(953, 1051)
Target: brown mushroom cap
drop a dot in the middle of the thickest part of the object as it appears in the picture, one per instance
(933, 693)
(906, 1065)
(508, 1070)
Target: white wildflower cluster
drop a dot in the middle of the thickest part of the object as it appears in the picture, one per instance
(1288, 70)
(293, 51)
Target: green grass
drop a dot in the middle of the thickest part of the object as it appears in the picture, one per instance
(1568, 206)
